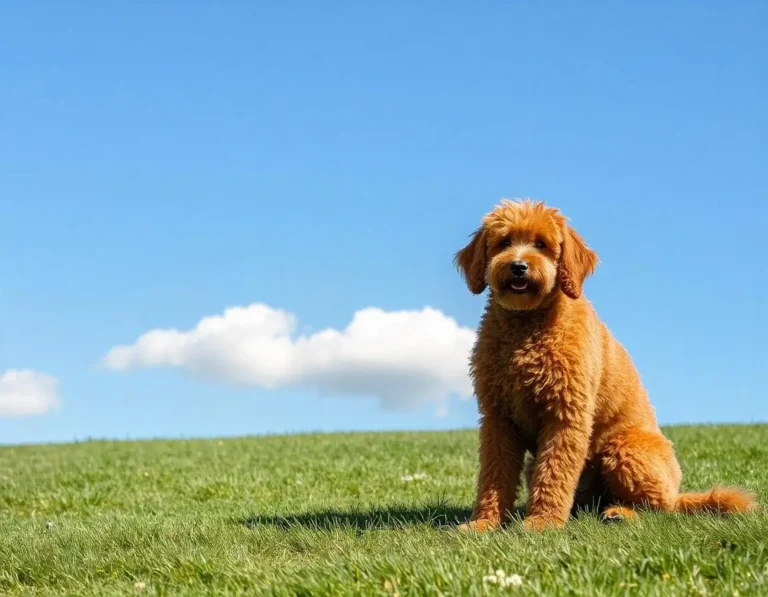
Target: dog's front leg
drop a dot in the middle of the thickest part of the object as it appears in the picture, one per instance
(562, 450)
(501, 461)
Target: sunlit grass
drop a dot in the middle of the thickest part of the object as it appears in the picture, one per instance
(348, 514)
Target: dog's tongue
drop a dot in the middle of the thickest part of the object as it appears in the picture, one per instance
(518, 285)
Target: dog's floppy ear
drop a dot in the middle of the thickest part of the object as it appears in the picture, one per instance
(577, 261)
(472, 261)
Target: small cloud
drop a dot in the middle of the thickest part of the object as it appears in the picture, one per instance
(401, 358)
(25, 392)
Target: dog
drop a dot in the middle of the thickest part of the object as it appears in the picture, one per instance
(550, 379)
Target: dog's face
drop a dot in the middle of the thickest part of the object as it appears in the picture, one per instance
(525, 252)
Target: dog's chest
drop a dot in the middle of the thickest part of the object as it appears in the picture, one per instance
(530, 376)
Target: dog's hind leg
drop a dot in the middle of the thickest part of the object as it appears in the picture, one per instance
(640, 469)
(617, 513)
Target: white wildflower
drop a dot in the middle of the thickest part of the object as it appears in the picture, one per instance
(414, 477)
(513, 580)
(501, 579)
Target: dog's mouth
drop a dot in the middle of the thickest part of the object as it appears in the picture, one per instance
(518, 285)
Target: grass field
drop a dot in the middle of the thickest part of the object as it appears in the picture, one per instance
(337, 515)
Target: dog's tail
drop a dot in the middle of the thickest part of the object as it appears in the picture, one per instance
(721, 500)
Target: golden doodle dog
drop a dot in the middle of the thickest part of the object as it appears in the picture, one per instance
(550, 379)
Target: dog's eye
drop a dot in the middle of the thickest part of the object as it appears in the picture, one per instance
(504, 243)
(540, 244)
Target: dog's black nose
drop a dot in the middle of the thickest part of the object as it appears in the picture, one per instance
(518, 267)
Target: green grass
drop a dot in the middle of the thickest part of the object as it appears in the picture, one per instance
(330, 515)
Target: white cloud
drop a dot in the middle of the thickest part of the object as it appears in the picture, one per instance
(402, 358)
(25, 392)
(440, 412)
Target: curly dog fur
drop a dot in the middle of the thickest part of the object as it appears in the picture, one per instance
(550, 379)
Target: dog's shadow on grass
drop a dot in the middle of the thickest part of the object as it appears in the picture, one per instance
(392, 518)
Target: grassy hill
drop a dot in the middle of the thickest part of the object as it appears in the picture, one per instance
(338, 515)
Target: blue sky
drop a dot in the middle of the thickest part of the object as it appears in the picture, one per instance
(160, 164)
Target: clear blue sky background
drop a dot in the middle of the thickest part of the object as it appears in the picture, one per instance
(160, 163)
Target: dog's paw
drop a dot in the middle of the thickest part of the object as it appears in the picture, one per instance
(617, 514)
(539, 523)
(479, 526)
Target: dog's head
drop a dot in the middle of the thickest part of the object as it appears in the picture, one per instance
(525, 251)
